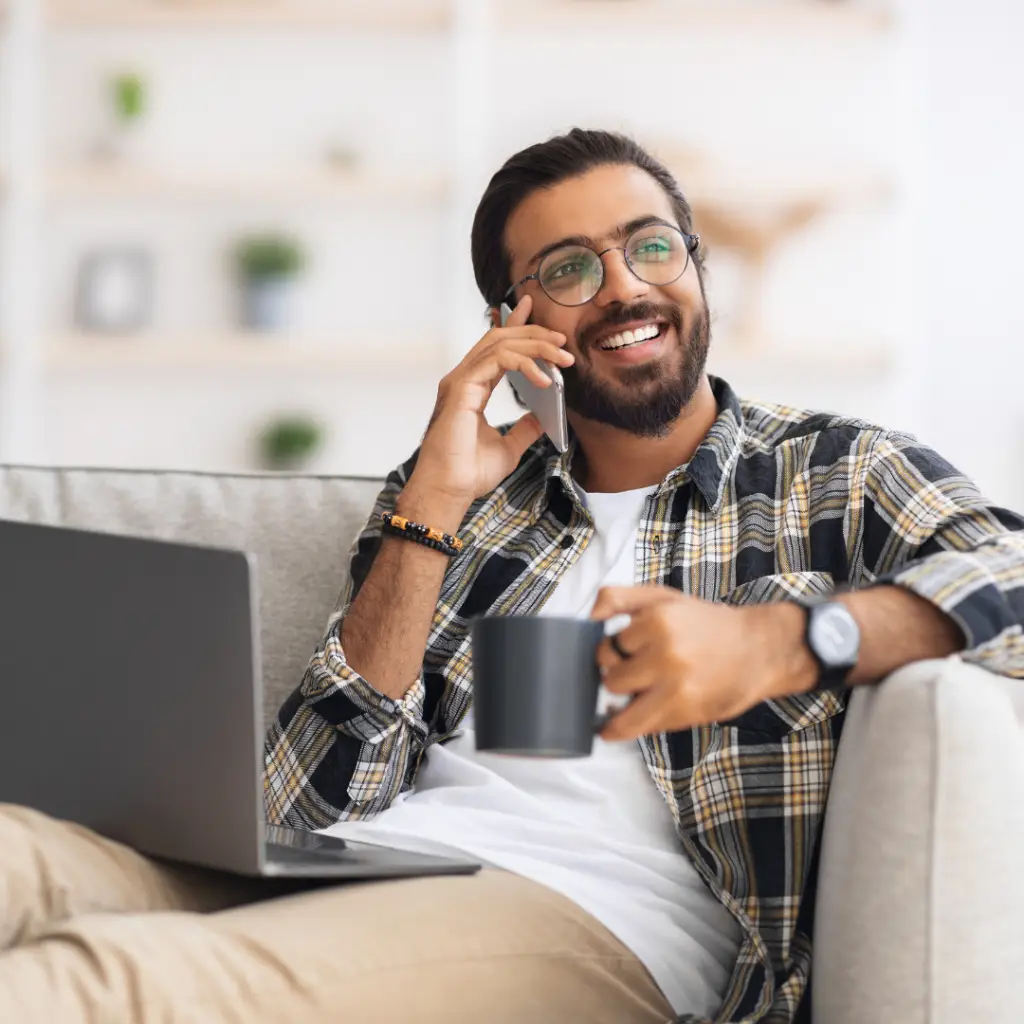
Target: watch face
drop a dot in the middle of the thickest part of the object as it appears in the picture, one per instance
(834, 635)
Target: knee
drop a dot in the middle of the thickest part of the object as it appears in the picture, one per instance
(136, 969)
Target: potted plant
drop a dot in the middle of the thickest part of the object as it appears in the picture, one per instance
(129, 95)
(288, 442)
(268, 268)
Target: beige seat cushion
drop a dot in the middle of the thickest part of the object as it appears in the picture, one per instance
(298, 527)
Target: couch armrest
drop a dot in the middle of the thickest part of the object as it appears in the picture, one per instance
(920, 911)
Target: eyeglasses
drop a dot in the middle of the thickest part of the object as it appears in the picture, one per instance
(573, 274)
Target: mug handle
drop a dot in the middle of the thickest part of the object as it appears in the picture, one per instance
(614, 704)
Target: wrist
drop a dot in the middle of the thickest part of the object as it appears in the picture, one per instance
(423, 504)
(788, 666)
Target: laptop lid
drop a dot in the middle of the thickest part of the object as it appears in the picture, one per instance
(130, 691)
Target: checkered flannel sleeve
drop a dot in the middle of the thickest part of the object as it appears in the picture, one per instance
(927, 528)
(339, 748)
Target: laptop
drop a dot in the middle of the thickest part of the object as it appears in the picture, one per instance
(132, 703)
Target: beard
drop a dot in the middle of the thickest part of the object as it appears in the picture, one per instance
(647, 399)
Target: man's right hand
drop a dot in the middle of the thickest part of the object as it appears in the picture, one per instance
(462, 456)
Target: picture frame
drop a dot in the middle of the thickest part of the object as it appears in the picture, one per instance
(114, 290)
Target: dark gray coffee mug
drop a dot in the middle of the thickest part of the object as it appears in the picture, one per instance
(535, 684)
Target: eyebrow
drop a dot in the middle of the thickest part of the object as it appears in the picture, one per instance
(618, 232)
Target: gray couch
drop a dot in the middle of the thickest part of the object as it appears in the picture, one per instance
(921, 897)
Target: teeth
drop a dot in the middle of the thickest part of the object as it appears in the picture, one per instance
(625, 338)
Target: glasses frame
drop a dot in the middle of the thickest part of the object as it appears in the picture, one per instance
(691, 242)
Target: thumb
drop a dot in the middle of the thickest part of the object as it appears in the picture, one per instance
(526, 430)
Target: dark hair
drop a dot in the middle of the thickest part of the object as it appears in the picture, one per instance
(542, 166)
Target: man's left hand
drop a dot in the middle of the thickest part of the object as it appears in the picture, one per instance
(693, 662)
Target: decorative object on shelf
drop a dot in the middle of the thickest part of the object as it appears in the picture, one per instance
(269, 267)
(342, 156)
(114, 291)
(129, 95)
(754, 217)
(289, 442)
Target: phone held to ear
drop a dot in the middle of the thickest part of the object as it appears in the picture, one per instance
(547, 404)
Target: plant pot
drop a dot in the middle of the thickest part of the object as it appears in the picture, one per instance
(126, 142)
(268, 303)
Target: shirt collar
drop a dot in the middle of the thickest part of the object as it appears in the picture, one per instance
(709, 469)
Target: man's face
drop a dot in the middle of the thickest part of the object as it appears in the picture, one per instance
(641, 387)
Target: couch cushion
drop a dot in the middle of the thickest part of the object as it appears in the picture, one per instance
(298, 527)
(920, 911)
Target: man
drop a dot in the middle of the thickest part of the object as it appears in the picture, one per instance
(767, 558)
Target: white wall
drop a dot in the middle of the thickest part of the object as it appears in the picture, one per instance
(765, 106)
(253, 102)
(969, 236)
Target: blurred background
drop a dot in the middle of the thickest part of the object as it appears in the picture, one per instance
(235, 233)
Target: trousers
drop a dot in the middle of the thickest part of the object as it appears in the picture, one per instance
(93, 932)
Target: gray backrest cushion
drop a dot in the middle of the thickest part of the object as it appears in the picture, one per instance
(299, 528)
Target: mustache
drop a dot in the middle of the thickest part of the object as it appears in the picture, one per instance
(620, 315)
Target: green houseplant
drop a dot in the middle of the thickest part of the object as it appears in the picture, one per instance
(268, 267)
(129, 99)
(289, 441)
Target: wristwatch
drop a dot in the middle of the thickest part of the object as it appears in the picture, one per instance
(833, 638)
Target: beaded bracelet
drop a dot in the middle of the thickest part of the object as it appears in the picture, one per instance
(398, 526)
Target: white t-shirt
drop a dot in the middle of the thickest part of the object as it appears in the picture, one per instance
(595, 829)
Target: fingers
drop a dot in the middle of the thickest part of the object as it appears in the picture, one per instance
(634, 640)
(633, 675)
(508, 360)
(516, 330)
(521, 313)
(641, 717)
(541, 347)
(546, 345)
(516, 346)
(538, 341)
(629, 600)
(518, 355)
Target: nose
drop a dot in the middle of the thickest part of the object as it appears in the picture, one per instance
(620, 284)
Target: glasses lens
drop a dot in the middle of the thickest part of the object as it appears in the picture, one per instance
(657, 254)
(571, 276)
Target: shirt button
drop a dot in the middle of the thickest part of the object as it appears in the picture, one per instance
(567, 541)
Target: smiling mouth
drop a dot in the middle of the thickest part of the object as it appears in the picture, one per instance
(626, 339)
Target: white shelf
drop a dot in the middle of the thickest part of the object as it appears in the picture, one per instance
(840, 16)
(755, 16)
(714, 196)
(354, 15)
(74, 353)
(111, 181)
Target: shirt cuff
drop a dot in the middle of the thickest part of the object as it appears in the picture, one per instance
(964, 587)
(353, 705)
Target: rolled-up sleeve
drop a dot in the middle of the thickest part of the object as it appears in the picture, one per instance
(339, 748)
(927, 528)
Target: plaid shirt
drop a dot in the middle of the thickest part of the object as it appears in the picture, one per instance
(775, 504)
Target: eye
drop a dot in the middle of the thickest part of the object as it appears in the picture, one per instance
(652, 249)
(566, 269)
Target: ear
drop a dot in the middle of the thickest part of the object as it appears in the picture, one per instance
(495, 316)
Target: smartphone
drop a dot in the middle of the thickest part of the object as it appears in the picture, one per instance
(547, 404)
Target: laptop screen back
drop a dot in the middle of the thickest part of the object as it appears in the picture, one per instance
(130, 691)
